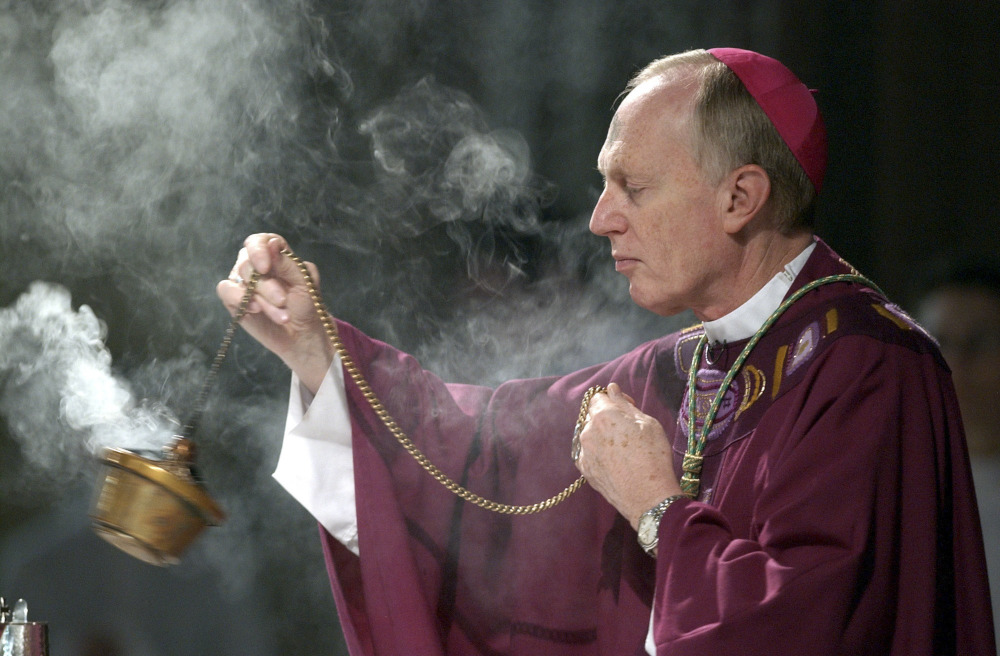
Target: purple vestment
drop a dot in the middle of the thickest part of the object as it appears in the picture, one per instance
(837, 514)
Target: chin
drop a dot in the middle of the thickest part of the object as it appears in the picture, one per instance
(654, 305)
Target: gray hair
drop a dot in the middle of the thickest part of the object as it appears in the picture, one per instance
(730, 130)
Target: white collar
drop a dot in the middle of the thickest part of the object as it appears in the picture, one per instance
(744, 321)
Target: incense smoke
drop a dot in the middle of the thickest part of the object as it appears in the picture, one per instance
(141, 141)
(58, 391)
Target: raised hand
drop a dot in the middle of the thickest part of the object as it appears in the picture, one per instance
(281, 315)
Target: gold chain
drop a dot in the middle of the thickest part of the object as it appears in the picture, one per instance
(199, 405)
(581, 420)
(397, 432)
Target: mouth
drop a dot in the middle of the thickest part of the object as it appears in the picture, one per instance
(624, 263)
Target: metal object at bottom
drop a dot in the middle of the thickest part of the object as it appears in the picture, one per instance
(152, 509)
(18, 636)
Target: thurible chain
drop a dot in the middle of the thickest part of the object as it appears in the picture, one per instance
(380, 411)
(199, 405)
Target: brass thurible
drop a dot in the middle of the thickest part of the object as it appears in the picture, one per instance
(153, 509)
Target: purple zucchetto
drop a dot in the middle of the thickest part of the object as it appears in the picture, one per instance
(788, 103)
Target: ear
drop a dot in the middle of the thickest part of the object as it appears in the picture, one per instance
(743, 194)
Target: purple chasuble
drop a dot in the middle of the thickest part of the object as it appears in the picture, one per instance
(837, 514)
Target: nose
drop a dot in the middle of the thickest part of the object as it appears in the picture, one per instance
(606, 219)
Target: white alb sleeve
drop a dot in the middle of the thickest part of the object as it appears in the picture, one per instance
(316, 465)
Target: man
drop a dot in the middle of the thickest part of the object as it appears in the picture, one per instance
(962, 310)
(794, 467)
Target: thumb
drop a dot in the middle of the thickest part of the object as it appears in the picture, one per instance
(286, 266)
(263, 251)
(615, 393)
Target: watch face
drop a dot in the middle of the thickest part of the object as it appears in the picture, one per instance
(647, 530)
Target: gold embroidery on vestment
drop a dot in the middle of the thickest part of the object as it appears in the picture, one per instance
(754, 383)
(779, 366)
(681, 362)
(831, 320)
(884, 311)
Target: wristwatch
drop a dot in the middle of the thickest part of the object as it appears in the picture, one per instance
(649, 523)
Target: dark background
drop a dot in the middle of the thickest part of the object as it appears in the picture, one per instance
(438, 160)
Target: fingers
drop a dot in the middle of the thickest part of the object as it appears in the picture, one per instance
(608, 415)
(614, 398)
(262, 255)
(263, 251)
(230, 294)
(276, 274)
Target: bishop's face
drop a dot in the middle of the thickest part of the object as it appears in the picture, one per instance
(658, 208)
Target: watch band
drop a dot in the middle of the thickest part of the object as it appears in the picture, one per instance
(651, 520)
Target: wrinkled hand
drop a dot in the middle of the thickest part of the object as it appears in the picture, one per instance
(625, 455)
(281, 315)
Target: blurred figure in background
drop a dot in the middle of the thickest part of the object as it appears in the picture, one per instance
(961, 308)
